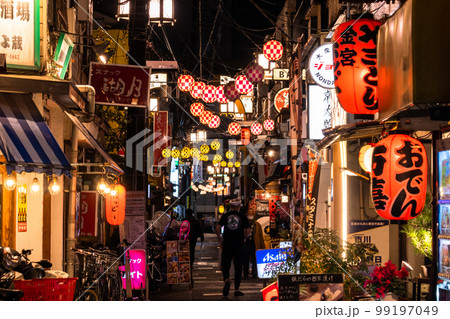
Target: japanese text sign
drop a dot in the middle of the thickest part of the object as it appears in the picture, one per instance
(321, 66)
(19, 33)
(117, 84)
(138, 267)
(88, 213)
(271, 261)
(161, 137)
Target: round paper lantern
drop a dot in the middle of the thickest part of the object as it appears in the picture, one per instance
(176, 153)
(197, 90)
(234, 128)
(256, 128)
(214, 122)
(237, 164)
(204, 149)
(355, 65)
(273, 50)
(223, 163)
(203, 157)
(197, 109)
(254, 73)
(218, 157)
(231, 93)
(365, 158)
(220, 95)
(243, 85)
(269, 125)
(229, 154)
(245, 136)
(215, 145)
(185, 82)
(195, 152)
(230, 164)
(185, 152)
(205, 117)
(209, 94)
(399, 177)
(166, 152)
(115, 205)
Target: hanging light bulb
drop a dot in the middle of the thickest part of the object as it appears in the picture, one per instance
(101, 186)
(54, 186)
(107, 189)
(10, 182)
(113, 191)
(22, 189)
(35, 187)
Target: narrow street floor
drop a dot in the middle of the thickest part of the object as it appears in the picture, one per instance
(208, 282)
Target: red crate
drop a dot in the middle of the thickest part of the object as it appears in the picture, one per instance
(47, 289)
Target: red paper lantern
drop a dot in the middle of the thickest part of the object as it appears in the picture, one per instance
(269, 125)
(273, 50)
(243, 85)
(197, 90)
(205, 117)
(220, 95)
(214, 122)
(197, 109)
(185, 82)
(399, 177)
(245, 136)
(254, 73)
(115, 205)
(355, 65)
(231, 92)
(209, 94)
(234, 128)
(256, 128)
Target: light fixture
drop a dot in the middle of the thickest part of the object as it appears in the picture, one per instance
(107, 189)
(408, 267)
(215, 145)
(237, 164)
(221, 209)
(10, 182)
(365, 157)
(223, 163)
(35, 187)
(105, 57)
(230, 164)
(22, 189)
(101, 186)
(161, 11)
(229, 154)
(352, 173)
(273, 50)
(113, 191)
(268, 196)
(54, 186)
(271, 153)
(284, 198)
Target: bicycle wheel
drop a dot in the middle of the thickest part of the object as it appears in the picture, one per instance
(88, 295)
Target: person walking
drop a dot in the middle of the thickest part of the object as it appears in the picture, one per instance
(196, 231)
(236, 228)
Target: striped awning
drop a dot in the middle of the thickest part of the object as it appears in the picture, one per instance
(25, 139)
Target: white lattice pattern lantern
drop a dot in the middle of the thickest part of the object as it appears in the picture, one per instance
(254, 73)
(197, 90)
(273, 50)
(269, 125)
(243, 85)
(185, 82)
(231, 92)
(209, 94)
(256, 128)
(206, 117)
(220, 95)
(214, 122)
(197, 109)
(234, 128)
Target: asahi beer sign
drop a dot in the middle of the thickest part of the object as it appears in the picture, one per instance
(321, 66)
(19, 33)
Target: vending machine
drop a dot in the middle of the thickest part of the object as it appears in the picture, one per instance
(443, 286)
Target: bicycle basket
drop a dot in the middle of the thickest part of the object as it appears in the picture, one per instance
(47, 289)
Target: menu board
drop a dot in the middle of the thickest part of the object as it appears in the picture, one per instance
(444, 219)
(313, 287)
(178, 262)
(444, 258)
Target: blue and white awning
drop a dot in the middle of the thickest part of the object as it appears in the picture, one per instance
(25, 139)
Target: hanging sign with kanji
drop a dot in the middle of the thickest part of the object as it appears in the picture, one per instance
(161, 137)
(118, 84)
(20, 33)
(321, 66)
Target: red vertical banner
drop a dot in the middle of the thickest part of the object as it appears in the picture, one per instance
(161, 137)
(88, 213)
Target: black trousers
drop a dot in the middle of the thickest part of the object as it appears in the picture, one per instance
(233, 252)
(249, 254)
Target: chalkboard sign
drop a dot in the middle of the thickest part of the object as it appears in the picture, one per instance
(289, 285)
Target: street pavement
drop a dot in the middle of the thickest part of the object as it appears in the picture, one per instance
(208, 282)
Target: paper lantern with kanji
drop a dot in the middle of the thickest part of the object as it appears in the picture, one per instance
(205, 117)
(115, 205)
(254, 73)
(273, 50)
(243, 85)
(220, 95)
(197, 90)
(269, 125)
(355, 65)
(234, 128)
(231, 93)
(197, 109)
(209, 94)
(185, 82)
(256, 128)
(399, 177)
(245, 136)
(214, 122)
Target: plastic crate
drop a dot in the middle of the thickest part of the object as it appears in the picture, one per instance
(47, 289)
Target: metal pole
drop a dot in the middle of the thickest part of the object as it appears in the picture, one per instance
(70, 237)
(434, 230)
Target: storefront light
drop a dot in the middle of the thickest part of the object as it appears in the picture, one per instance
(54, 186)
(101, 186)
(22, 189)
(35, 187)
(10, 182)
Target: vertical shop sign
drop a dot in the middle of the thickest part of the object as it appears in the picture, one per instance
(125, 85)
(313, 192)
(22, 209)
(134, 225)
(62, 54)
(88, 213)
(20, 33)
(138, 269)
(161, 139)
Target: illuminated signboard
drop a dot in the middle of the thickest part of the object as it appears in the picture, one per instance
(271, 261)
(319, 111)
(321, 66)
(138, 265)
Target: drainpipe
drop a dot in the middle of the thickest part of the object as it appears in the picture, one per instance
(91, 101)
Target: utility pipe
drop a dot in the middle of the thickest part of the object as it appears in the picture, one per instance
(90, 90)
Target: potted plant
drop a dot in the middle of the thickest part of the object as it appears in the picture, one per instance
(387, 279)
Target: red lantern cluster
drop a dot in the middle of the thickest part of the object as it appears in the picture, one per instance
(269, 125)
(234, 128)
(220, 95)
(355, 65)
(243, 85)
(197, 109)
(231, 92)
(273, 50)
(399, 177)
(205, 117)
(256, 128)
(115, 205)
(197, 90)
(209, 94)
(214, 122)
(185, 82)
(254, 73)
